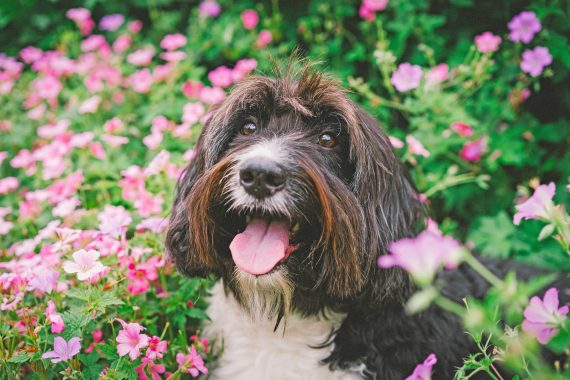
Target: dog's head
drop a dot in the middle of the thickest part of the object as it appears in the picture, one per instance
(293, 194)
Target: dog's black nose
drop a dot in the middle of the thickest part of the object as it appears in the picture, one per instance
(262, 178)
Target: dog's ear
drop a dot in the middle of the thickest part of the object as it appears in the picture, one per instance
(387, 196)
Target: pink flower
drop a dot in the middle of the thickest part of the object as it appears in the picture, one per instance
(115, 141)
(113, 220)
(192, 89)
(154, 369)
(368, 8)
(212, 95)
(148, 205)
(534, 61)
(263, 39)
(423, 256)
(8, 184)
(191, 363)
(249, 18)
(463, 129)
(97, 150)
(537, 206)
(487, 42)
(173, 41)
(416, 147)
(62, 350)
(473, 150)
(153, 140)
(173, 56)
(221, 77)
(543, 317)
(122, 43)
(85, 264)
(130, 340)
(141, 57)
(156, 348)
(242, 68)
(396, 142)
(523, 27)
(93, 42)
(155, 225)
(423, 370)
(47, 87)
(135, 26)
(82, 18)
(43, 280)
(89, 105)
(140, 275)
(437, 74)
(141, 81)
(209, 8)
(407, 77)
(30, 54)
(192, 112)
(111, 22)
(54, 318)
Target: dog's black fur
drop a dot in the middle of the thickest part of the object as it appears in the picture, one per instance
(351, 200)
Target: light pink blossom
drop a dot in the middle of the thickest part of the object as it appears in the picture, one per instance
(523, 27)
(487, 42)
(8, 184)
(173, 41)
(90, 105)
(437, 74)
(263, 39)
(416, 147)
(423, 256)
(538, 206)
(130, 340)
(209, 8)
(407, 77)
(212, 95)
(111, 22)
(543, 317)
(85, 264)
(62, 350)
(141, 57)
(141, 81)
(221, 76)
(534, 61)
(463, 129)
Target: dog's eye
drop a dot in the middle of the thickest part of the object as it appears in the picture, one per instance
(327, 140)
(248, 129)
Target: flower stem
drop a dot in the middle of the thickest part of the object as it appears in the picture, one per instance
(449, 305)
(483, 271)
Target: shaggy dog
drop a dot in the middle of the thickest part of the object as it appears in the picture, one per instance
(293, 194)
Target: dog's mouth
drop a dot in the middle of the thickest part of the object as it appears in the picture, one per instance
(263, 241)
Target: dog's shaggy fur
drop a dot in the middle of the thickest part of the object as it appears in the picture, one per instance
(349, 201)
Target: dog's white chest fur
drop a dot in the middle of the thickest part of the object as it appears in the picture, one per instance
(253, 351)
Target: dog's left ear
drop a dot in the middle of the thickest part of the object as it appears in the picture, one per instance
(387, 195)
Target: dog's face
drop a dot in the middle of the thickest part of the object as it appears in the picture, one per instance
(293, 194)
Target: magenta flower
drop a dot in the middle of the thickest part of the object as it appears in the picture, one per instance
(534, 61)
(542, 318)
(173, 41)
(407, 77)
(249, 18)
(191, 363)
(62, 350)
(423, 256)
(368, 8)
(209, 8)
(263, 39)
(156, 348)
(111, 22)
(473, 150)
(221, 76)
(463, 129)
(523, 27)
(487, 42)
(423, 370)
(130, 340)
(54, 318)
(537, 206)
(85, 264)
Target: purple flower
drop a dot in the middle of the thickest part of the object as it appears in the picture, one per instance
(537, 206)
(487, 42)
(523, 27)
(423, 256)
(423, 370)
(534, 61)
(407, 77)
(111, 22)
(191, 363)
(543, 317)
(63, 350)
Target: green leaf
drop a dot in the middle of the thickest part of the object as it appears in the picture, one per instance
(197, 313)
(108, 351)
(561, 342)
(22, 357)
(74, 323)
(493, 235)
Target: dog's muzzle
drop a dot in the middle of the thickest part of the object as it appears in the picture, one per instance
(262, 178)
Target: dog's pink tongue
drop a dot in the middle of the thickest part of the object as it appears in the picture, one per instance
(259, 248)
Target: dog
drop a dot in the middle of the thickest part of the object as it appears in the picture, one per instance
(294, 193)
